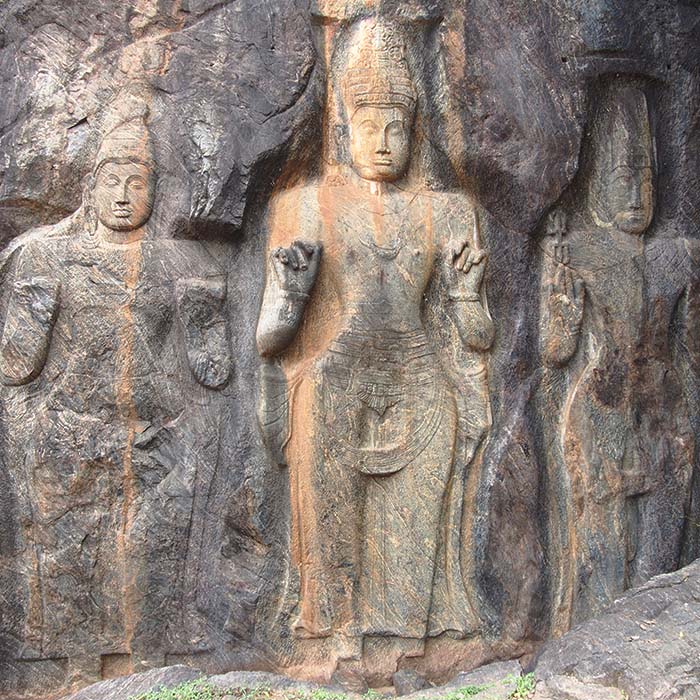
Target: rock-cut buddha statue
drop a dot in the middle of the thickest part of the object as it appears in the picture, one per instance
(373, 330)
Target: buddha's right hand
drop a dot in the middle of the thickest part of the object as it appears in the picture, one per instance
(296, 267)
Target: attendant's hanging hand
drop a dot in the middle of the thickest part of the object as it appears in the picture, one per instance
(28, 328)
(201, 305)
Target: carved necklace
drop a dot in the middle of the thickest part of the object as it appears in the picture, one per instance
(388, 252)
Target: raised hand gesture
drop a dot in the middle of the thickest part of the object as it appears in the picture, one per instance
(470, 262)
(566, 292)
(297, 267)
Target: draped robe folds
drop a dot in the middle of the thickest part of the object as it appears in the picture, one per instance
(382, 419)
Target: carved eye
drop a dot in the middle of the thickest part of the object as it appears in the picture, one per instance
(137, 183)
(395, 129)
(368, 128)
(112, 180)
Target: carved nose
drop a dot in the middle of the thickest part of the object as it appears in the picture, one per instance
(383, 146)
(635, 197)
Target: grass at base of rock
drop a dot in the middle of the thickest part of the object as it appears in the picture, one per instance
(191, 690)
(524, 687)
(202, 690)
(467, 691)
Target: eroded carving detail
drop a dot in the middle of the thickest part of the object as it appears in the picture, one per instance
(92, 350)
(610, 318)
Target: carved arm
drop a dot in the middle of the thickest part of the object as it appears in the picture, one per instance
(465, 275)
(29, 323)
(563, 310)
(292, 273)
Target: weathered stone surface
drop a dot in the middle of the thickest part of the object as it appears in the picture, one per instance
(256, 679)
(398, 373)
(130, 686)
(567, 688)
(406, 682)
(496, 681)
(486, 675)
(646, 643)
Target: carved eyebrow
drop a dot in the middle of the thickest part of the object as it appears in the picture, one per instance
(395, 121)
(368, 121)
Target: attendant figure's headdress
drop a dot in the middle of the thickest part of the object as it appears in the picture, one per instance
(377, 71)
(129, 141)
(622, 133)
(126, 140)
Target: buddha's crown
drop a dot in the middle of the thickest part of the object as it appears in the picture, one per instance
(377, 71)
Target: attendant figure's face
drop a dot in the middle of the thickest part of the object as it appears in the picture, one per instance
(629, 198)
(380, 143)
(124, 194)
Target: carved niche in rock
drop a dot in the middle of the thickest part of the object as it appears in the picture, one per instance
(113, 341)
(617, 333)
(373, 332)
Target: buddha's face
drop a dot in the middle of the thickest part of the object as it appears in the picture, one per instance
(627, 201)
(124, 194)
(380, 142)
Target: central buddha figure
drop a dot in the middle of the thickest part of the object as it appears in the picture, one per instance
(374, 392)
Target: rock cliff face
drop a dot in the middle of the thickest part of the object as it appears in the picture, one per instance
(342, 337)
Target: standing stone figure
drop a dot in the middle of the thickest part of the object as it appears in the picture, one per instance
(111, 456)
(372, 329)
(622, 435)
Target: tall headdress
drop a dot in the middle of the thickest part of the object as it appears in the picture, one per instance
(622, 133)
(128, 141)
(377, 71)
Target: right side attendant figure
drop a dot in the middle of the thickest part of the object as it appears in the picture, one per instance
(623, 436)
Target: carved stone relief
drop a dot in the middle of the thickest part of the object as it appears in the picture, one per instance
(617, 333)
(451, 249)
(99, 330)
